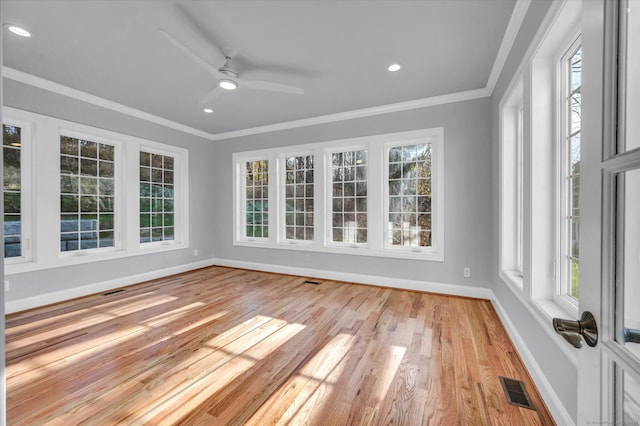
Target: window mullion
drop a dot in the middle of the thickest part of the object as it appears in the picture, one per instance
(129, 172)
(46, 195)
(320, 223)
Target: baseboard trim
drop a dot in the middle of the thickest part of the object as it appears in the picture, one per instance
(550, 397)
(558, 411)
(13, 306)
(404, 284)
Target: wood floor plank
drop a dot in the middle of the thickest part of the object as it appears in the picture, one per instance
(229, 346)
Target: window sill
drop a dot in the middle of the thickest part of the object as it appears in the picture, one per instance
(513, 279)
(550, 309)
(80, 259)
(361, 250)
(543, 311)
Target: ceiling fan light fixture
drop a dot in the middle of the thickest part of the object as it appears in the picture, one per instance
(227, 84)
(19, 31)
(394, 67)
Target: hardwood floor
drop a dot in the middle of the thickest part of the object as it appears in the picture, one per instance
(229, 346)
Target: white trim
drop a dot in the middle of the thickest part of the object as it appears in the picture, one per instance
(62, 295)
(515, 22)
(51, 86)
(550, 397)
(513, 27)
(281, 202)
(13, 118)
(535, 44)
(359, 113)
(70, 92)
(45, 195)
(399, 283)
(329, 197)
(543, 311)
(558, 411)
(376, 146)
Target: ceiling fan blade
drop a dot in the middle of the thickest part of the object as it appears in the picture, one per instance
(245, 64)
(211, 96)
(268, 85)
(190, 53)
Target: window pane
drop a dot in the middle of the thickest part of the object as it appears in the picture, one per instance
(12, 175)
(630, 69)
(629, 275)
(345, 227)
(409, 202)
(81, 186)
(256, 195)
(157, 198)
(572, 175)
(299, 197)
(88, 149)
(68, 146)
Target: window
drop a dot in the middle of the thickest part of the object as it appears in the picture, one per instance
(570, 208)
(332, 200)
(157, 198)
(540, 130)
(87, 194)
(349, 197)
(12, 189)
(88, 200)
(299, 197)
(256, 199)
(512, 238)
(409, 203)
(520, 188)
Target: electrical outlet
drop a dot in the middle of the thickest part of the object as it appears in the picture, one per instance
(7, 285)
(467, 272)
(195, 252)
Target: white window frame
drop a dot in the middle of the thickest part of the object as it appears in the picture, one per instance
(375, 146)
(118, 201)
(44, 193)
(520, 189)
(329, 195)
(14, 117)
(512, 184)
(538, 71)
(239, 207)
(281, 203)
(436, 238)
(180, 194)
(562, 292)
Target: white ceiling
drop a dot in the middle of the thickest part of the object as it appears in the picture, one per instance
(337, 51)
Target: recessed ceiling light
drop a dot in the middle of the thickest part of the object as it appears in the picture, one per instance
(394, 67)
(208, 110)
(227, 84)
(19, 31)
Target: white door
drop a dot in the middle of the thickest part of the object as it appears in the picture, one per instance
(609, 373)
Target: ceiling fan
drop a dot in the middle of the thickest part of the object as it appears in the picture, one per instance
(228, 78)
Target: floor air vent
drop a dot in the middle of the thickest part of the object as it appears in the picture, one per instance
(311, 282)
(516, 393)
(109, 293)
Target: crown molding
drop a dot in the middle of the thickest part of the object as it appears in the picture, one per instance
(41, 83)
(515, 22)
(359, 113)
(513, 27)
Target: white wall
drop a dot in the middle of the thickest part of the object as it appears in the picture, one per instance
(471, 207)
(558, 372)
(48, 285)
(467, 151)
